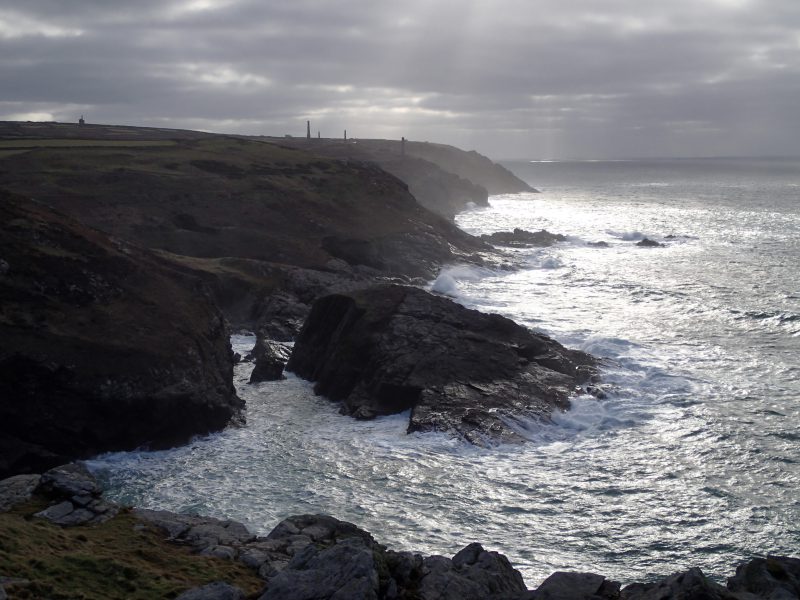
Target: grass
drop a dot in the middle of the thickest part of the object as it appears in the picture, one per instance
(120, 559)
(67, 143)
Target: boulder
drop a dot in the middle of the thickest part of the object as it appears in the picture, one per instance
(105, 346)
(520, 238)
(773, 577)
(17, 490)
(392, 348)
(648, 243)
(270, 358)
(576, 586)
(689, 585)
(75, 497)
(471, 573)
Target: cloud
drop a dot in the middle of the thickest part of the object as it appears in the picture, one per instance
(509, 77)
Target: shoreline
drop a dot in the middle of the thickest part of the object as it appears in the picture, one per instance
(313, 556)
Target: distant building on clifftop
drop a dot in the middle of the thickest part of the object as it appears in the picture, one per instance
(81, 122)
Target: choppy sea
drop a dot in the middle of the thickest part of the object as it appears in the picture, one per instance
(692, 460)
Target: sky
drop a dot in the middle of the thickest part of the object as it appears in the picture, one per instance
(509, 78)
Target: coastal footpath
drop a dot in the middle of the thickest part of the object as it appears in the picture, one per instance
(60, 539)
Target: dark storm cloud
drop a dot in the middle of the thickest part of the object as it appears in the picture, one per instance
(510, 77)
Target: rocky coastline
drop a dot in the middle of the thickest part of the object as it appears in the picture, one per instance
(305, 557)
(120, 284)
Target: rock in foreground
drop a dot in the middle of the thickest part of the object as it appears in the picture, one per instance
(388, 349)
(104, 346)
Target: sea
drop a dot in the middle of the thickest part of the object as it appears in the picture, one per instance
(692, 459)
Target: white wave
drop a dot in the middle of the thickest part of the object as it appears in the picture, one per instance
(627, 236)
(446, 282)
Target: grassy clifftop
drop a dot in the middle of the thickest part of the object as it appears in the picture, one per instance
(211, 196)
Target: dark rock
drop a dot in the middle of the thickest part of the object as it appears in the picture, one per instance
(774, 578)
(347, 570)
(219, 590)
(76, 497)
(576, 586)
(17, 490)
(270, 358)
(72, 479)
(648, 243)
(472, 573)
(392, 348)
(201, 533)
(597, 244)
(689, 585)
(521, 238)
(105, 346)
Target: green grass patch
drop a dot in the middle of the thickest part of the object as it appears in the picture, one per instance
(120, 559)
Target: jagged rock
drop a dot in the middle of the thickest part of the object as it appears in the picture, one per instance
(648, 243)
(576, 586)
(219, 590)
(77, 497)
(521, 238)
(392, 348)
(270, 358)
(69, 480)
(472, 573)
(105, 345)
(344, 571)
(201, 533)
(773, 578)
(689, 585)
(597, 244)
(16, 490)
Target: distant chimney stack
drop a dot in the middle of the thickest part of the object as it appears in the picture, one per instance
(308, 130)
(402, 146)
(345, 134)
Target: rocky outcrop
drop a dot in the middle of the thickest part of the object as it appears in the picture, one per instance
(689, 585)
(388, 349)
(773, 577)
(648, 243)
(520, 238)
(105, 346)
(270, 358)
(318, 557)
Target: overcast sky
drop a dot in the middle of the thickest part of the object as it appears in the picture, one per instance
(510, 78)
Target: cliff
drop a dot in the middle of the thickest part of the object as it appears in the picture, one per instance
(243, 214)
(442, 178)
(105, 346)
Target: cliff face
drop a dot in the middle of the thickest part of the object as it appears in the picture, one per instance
(470, 165)
(104, 346)
(442, 178)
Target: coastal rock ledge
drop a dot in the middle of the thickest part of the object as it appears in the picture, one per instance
(391, 348)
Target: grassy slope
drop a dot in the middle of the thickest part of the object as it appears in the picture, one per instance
(219, 196)
(120, 559)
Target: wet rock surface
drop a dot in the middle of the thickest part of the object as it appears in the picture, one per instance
(270, 358)
(520, 238)
(105, 346)
(392, 348)
(648, 243)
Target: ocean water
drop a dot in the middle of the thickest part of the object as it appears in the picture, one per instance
(692, 460)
